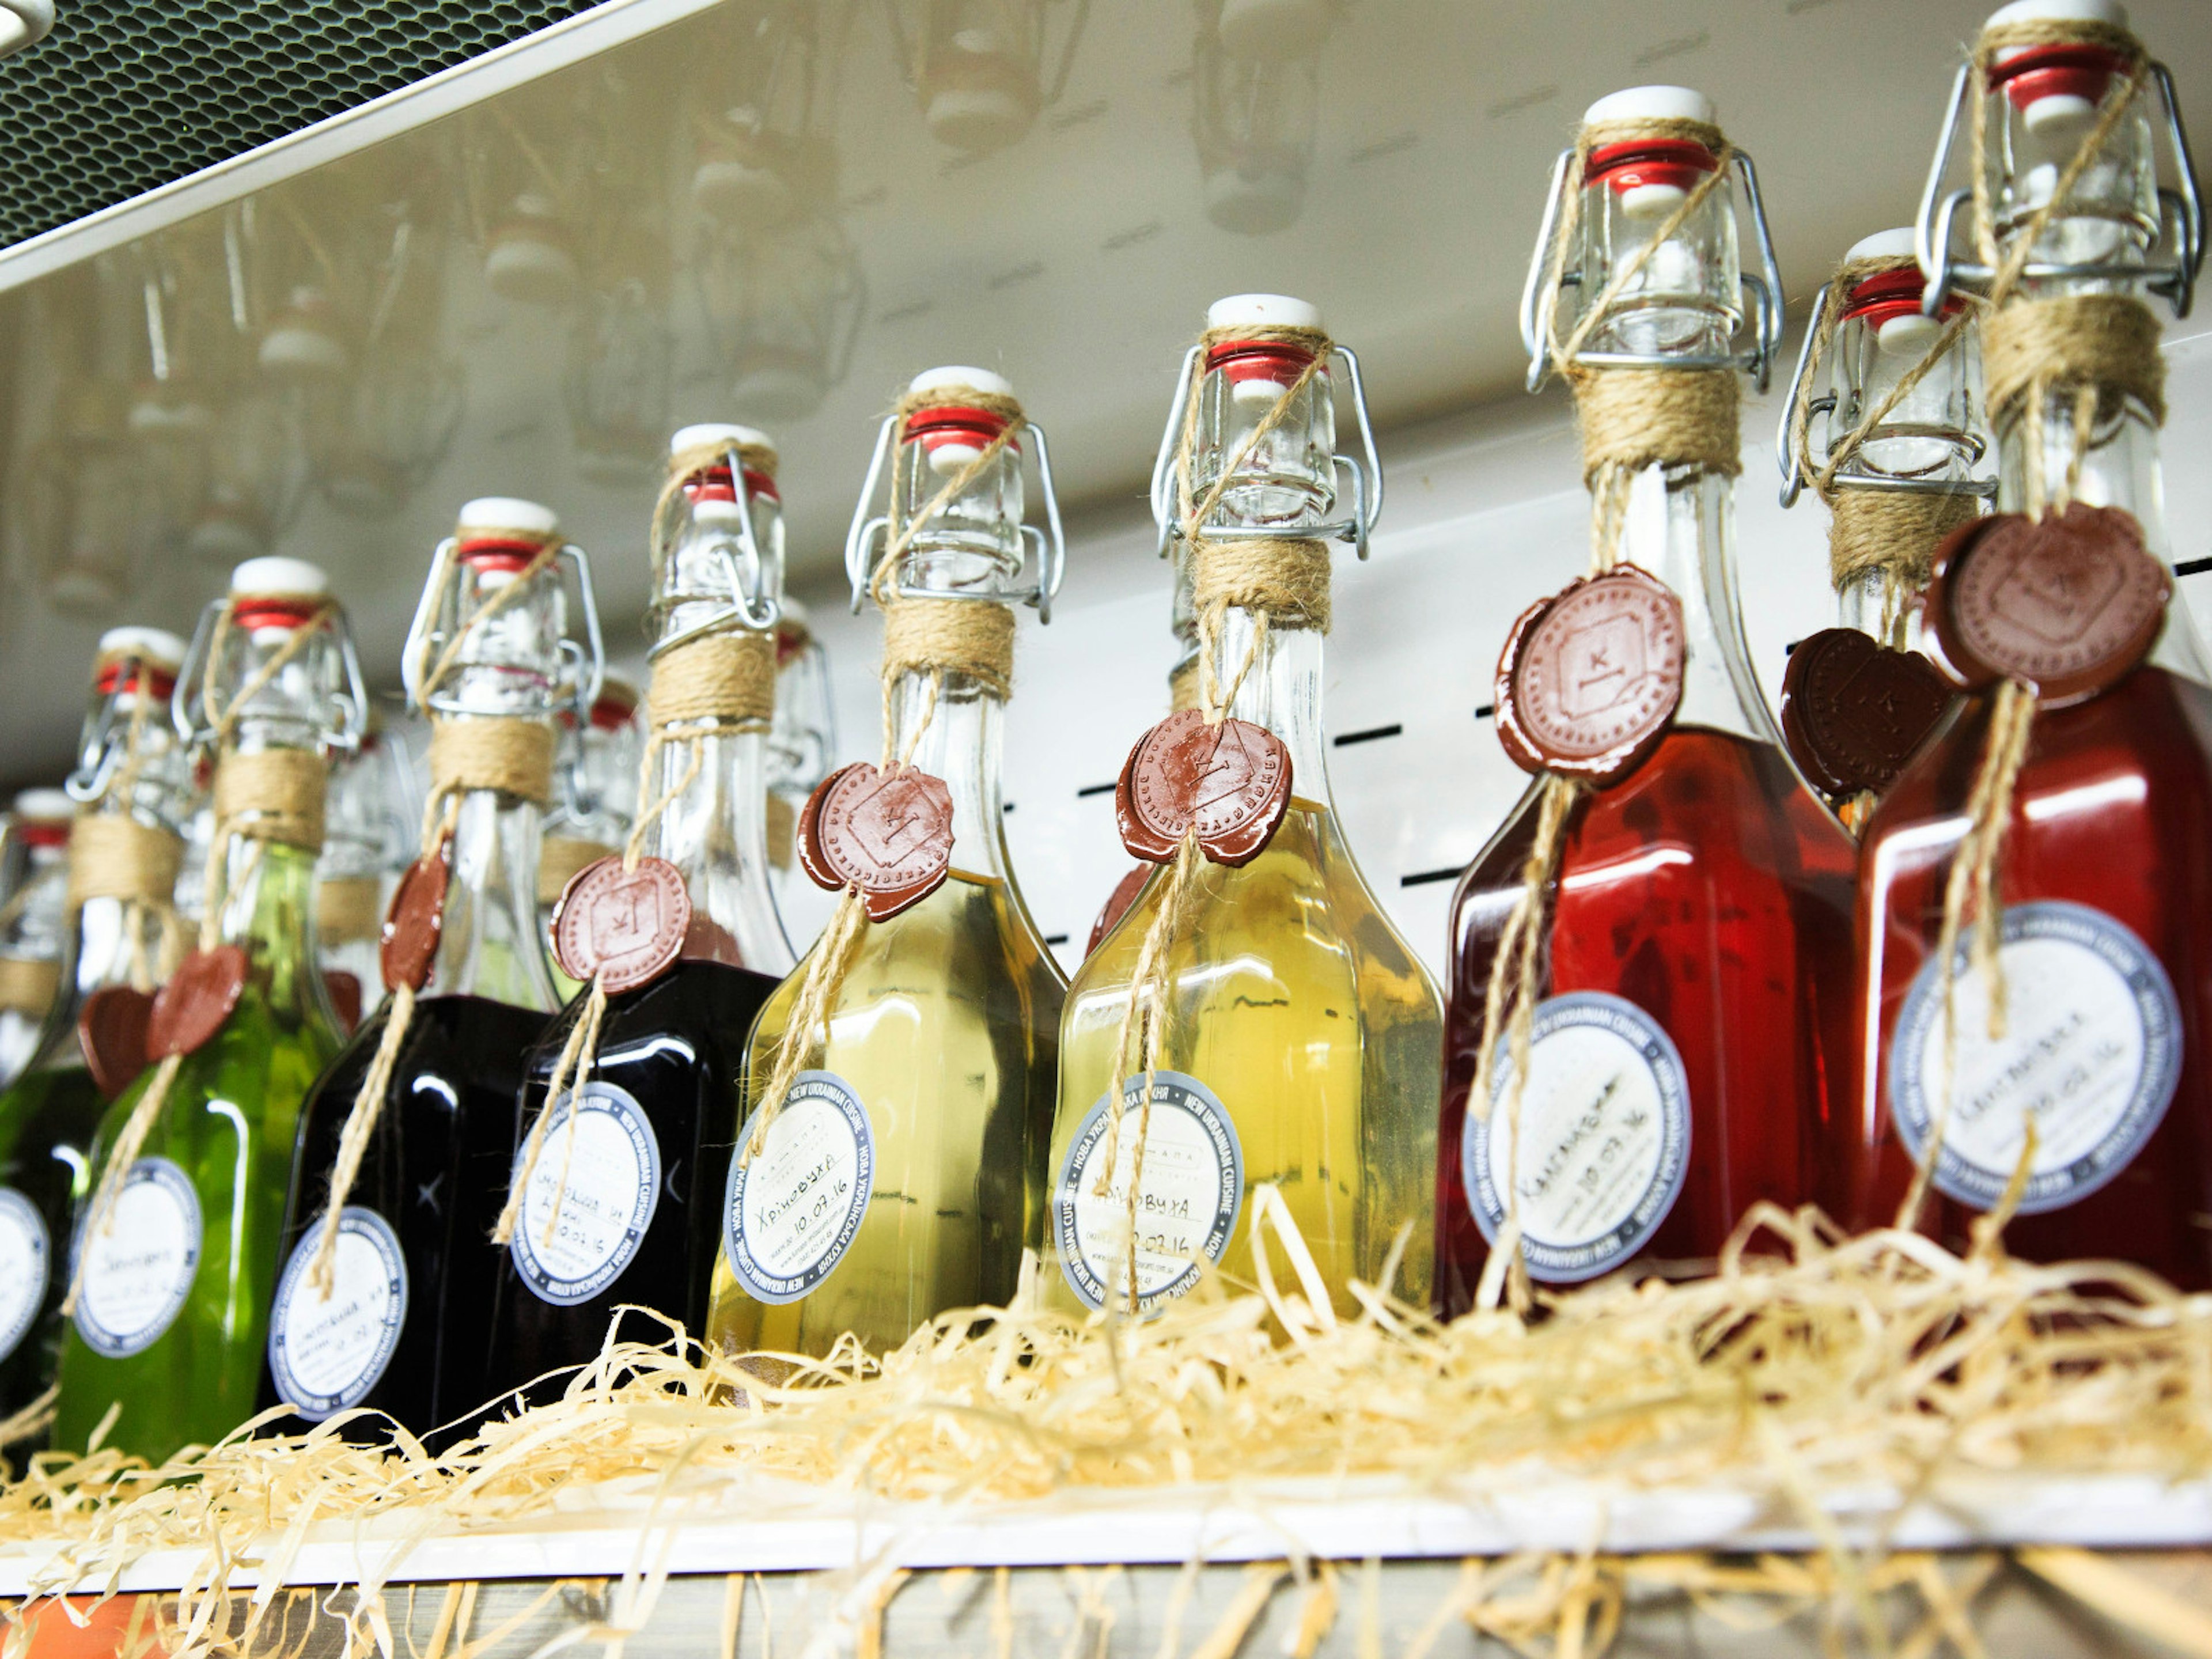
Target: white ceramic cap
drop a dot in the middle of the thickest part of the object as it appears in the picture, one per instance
(1884, 245)
(725, 432)
(301, 345)
(2059, 117)
(155, 646)
(508, 512)
(798, 613)
(45, 806)
(1652, 104)
(2060, 11)
(982, 379)
(277, 574)
(1262, 310)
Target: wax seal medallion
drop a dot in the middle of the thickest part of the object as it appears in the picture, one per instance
(807, 834)
(1117, 904)
(412, 925)
(2068, 605)
(1854, 711)
(889, 834)
(621, 926)
(1590, 678)
(193, 1006)
(1231, 782)
(111, 1029)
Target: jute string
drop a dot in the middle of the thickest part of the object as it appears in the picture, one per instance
(1893, 533)
(723, 681)
(559, 859)
(510, 755)
(113, 856)
(2032, 362)
(270, 794)
(27, 984)
(349, 908)
(1629, 420)
(1276, 581)
(685, 465)
(920, 637)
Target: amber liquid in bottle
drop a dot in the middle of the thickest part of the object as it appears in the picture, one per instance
(1711, 890)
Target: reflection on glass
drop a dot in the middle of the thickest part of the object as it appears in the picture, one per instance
(979, 68)
(1257, 76)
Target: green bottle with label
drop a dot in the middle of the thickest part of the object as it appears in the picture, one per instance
(176, 1252)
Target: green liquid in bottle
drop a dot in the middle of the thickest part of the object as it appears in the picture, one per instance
(228, 1125)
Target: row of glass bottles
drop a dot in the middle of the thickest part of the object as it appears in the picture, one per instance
(1694, 1052)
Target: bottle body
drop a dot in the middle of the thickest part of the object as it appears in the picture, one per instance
(407, 1328)
(639, 1222)
(944, 1035)
(1310, 1026)
(2109, 815)
(1712, 893)
(174, 1315)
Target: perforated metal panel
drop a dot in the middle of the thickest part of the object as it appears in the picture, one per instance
(126, 96)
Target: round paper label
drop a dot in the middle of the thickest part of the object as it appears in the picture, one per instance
(26, 1256)
(2092, 1048)
(328, 1352)
(1187, 1208)
(612, 1165)
(791, 1211)
(138, 1265)
(1604, 1138)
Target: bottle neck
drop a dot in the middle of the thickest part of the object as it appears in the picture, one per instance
(269, 907)
(114, 943)
(1281, 691)
(1680, 525)
(488, 944)
(961, 744)
(2116, 462)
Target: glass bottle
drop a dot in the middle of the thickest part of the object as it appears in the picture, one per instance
(406, 1327)
(1700, 907)
(936, 1072)
(654, 1135)
(49, 1114)
(31, 922)
(367, 840)
(172, 1308)
(594, 797)
(805, 740)
(1302, 1041)
(2106, 922)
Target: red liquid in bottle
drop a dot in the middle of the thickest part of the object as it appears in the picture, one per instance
(1711, 890)
(2114, 810)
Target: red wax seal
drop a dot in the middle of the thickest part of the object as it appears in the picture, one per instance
(111, 1029)
(621, 926)
(345, 989)
(2068, 605)
(1589, 678)
(193, 1006)
(1117, 904)
(412, 925)
(1231, 782)
(1854, 711)
(889, 834)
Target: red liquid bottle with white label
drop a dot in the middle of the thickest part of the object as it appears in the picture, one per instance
(1687, 1030)
(639, 1220)
(2106, 924)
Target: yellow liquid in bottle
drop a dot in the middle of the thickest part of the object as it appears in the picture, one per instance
(1298, 1007)
(946, 1029)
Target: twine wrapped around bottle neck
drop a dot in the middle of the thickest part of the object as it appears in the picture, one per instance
(723, 679)
(508, 755)
(272, 794)
(348, 909)
(1283, 579)
(2109, 342)
(113, 855)
(1632, 418)
(969, 637)
(27, 985)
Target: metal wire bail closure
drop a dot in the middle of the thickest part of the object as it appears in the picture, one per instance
(755, 600)
(1366, 476)
(97, 753)
(1539, 303)
(2181, 214)
(349, 705)
(868, 535)
(584, 662)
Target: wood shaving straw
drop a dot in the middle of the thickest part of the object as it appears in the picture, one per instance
(1811, 1365)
